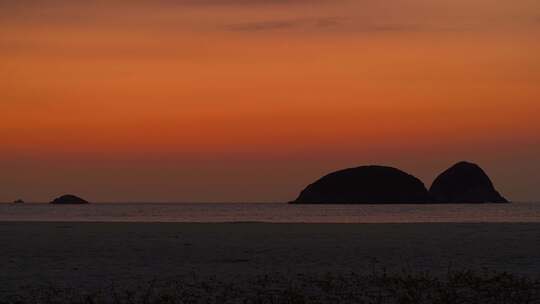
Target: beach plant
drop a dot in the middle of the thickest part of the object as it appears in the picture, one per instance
(377, 287)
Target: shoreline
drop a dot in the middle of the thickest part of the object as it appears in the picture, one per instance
(172, 222)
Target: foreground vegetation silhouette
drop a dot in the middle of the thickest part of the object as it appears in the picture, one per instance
(377, 287)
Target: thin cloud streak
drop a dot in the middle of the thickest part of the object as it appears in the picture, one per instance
(285, 24)
(345, 24)
(9, 4)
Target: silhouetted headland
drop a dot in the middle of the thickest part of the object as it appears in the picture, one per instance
(366, 184)
(462, 183)
(465, 183)
(69, 199)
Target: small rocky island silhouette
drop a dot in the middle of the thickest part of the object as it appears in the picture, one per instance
(462, 183)
(465, 183)
(69, 199)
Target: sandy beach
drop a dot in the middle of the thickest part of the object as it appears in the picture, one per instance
(94, 255)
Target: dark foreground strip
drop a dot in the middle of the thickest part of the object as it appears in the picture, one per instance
(377, 287)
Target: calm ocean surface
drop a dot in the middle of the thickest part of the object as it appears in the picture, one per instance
(271, 212)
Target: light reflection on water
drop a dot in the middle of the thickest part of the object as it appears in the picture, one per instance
(272, 212)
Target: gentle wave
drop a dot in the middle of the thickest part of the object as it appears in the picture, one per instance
(272, 213)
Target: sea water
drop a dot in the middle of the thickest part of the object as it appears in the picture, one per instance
(273, 213)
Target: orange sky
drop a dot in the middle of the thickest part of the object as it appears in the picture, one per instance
(236, 100)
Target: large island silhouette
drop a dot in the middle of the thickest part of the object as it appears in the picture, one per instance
(462, 183)
(465, 182)
(366, 184)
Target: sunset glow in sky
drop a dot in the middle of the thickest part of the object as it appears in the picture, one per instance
(250, 100)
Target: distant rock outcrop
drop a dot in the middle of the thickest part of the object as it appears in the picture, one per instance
(366, 184)
(69, 200)
(465, 183)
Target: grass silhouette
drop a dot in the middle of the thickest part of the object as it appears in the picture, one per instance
(377, 287)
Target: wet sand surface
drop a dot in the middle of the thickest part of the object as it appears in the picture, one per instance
(93, 255)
